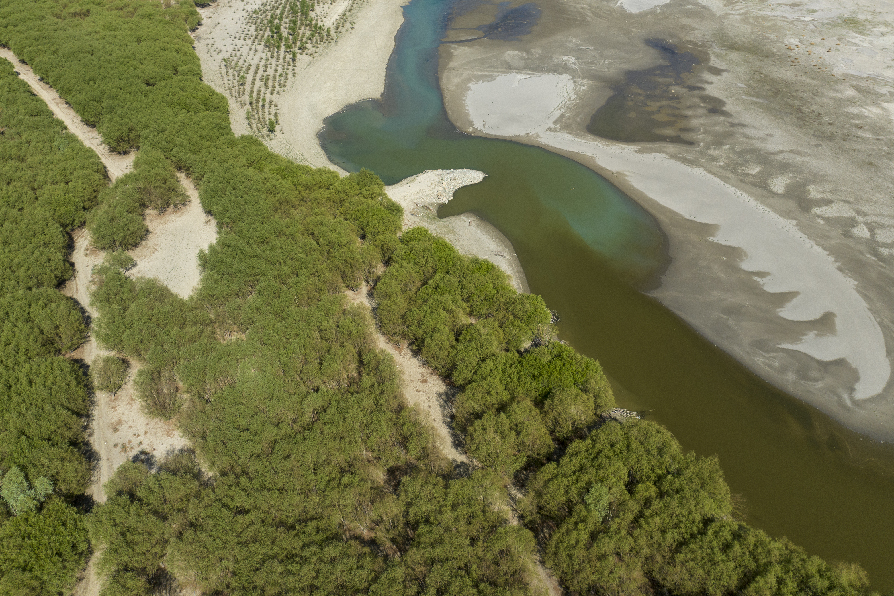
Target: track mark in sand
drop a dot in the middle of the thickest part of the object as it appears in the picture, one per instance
(423, 389)
(116, 164)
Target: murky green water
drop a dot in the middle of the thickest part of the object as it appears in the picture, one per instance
(587, 250)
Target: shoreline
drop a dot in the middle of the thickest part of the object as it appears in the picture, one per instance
(749, 272)
(317, 90)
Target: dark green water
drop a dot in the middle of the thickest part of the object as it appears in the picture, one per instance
(589, 250)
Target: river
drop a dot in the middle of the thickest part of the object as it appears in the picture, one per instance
(591, 252)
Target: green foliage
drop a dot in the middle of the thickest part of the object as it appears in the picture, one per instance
(109, 373)
(19, 496)
(157, 388)
(119, 260)
(155, 181)
(41, 552)
(48, 180)
(117, 223)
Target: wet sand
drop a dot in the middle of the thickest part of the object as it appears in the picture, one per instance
(779, 234)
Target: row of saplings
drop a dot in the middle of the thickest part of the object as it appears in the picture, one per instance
(618, 507)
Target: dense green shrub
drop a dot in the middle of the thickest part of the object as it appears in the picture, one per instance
(157, 388)
(48, 180)
(109, 373)
(323, 482)
(117, 223)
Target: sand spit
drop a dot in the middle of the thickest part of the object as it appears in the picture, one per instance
(420, 197)
(777, 212)
(115, 163)
(170, 253)
(781, 257)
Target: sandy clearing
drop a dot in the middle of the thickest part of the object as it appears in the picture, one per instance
(118, 427)
(115, 163)
(420, 197)
(170, 253)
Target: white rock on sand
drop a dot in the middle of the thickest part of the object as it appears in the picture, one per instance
(640, 5)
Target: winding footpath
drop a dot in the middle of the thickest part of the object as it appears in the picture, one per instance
(119, 429)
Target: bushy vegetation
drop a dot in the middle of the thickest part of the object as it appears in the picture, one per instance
(48, 180)
(109, 373)
(117, 222)
(318, 479)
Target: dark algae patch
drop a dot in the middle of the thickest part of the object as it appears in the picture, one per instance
(651, 105)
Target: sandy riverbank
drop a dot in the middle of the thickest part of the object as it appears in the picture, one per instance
(348, 70)
(778, 226)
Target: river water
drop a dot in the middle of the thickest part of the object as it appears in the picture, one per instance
(590, 251)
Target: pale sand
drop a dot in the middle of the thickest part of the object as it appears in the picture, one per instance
(640, 5)
(786, 259)
(420, 197)
(115, 163)
(351, 70)
(170, 253)
(118, 428)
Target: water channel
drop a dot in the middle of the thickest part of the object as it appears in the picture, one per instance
(590, 251)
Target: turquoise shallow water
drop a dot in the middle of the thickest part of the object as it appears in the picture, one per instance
(589, 250)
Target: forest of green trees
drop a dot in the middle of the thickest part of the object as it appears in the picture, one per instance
(308, 473)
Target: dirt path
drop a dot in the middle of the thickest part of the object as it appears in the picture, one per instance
(427, 393)
(115, 163)
(423, 389)
(119, 430)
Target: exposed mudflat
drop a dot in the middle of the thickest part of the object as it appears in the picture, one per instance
(773, 182)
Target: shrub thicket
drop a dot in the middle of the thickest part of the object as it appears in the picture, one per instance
(109, 373)
(323, 481)
(48, 179)
(117, 222)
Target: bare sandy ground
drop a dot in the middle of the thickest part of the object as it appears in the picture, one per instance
(338, 74)
(116, 164)
(420, 196)
(170, 252)
(789, 166)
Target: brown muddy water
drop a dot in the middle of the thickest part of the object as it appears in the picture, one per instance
(590, 251)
